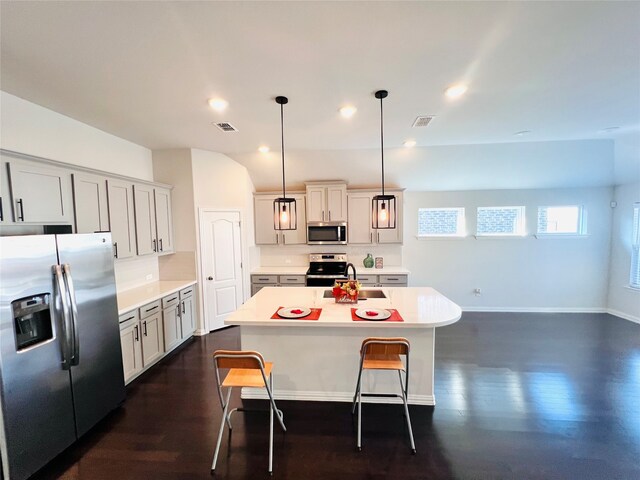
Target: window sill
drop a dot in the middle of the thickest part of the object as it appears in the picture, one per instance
(500, 237)
(441, 237)
(547, 236)
(634, 289)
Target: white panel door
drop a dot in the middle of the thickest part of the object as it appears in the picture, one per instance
(359, 225)
(264, 220)
(187, 317)
(221, 253)
(152, 339)
(171, 327)
(121, 219)
(316, 204)
(144, 207)
(337, 203)
(90, 202)
(131, 350)
(299, 235)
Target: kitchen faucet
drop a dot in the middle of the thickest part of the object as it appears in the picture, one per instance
(354, 270)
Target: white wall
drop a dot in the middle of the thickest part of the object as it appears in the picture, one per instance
(568, 274)
(34, 130)
(623, 301)
(627, 158)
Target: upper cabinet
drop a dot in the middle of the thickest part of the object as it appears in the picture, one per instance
(164, 222)
(264, 221)
(90, 203)
(40, 193)
(359, 223)
(121, 217)
(144, 207)
(326, 202)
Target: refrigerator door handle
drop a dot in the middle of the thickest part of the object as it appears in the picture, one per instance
(60, 296)
(75, 355)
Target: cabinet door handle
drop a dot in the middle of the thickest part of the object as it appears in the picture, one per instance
(183, 307)
(329, 215)
(144, 324)
(154, 245)
(161, 248)
(172, 299)
(277, 239)
(1, 212)
(178, 310)
(378, 237)
(370, 237)
(115, 247)
(152, 308)
(137, 333)
(284, 239)
(21, 214)
(323, 215)
(391, 279)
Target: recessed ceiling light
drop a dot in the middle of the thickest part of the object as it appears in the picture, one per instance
(348, 111)
(608, 129)
(455, 91)
(522, 133)
(218, 104)
(263, 149)
(409, 143)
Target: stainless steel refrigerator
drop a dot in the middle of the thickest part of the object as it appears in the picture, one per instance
(60, 355)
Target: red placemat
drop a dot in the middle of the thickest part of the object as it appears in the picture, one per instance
(314, 315)
(395, 316)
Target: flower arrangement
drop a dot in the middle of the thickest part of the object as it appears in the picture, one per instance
(346, 291)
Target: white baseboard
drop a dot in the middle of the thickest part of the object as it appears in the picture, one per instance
(311, 396)
(200, 332)
(536, 309)
(626, 316)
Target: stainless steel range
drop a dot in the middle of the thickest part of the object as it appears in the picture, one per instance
(326, 268)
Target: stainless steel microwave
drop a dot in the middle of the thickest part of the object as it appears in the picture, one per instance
(327, 233)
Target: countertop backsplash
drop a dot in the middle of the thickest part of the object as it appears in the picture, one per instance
(298, 255)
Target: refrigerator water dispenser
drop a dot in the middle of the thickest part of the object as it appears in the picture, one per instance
(32, 320)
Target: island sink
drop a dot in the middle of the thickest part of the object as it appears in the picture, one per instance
(361, 294)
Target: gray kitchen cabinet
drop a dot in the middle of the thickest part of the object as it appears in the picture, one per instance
(359, 227)
(40, 193)
(326, 202)
(164, 221)
(258, 282)
(171, 326)
(265, 234)
(90, 203)
(187, 312)
(131, 346)
(145, 219)
(384, 280)
(5, 204)
(151, 333)
(121, 217)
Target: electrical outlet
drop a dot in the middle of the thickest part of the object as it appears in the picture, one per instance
(477, 292)
(149, 277)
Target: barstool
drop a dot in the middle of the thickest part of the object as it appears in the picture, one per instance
(246, 369)
(379, 353)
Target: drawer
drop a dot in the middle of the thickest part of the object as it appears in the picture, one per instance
(127, 317)
(264, 278)
(149, 309)
(368, 279)
(170, 300)
(187, 292)
(393, 279)
(289, 279)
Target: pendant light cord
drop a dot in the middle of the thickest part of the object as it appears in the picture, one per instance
(282, 138)
(382, 144)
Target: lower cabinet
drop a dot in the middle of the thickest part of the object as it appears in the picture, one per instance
(147, 334)
(258, 282)
(368, 280)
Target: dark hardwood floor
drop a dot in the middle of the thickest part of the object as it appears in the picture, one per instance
(520, 396)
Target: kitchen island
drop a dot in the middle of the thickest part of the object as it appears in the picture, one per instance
(318, 359)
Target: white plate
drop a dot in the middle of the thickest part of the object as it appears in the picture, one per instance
(379, 313)
(287, 312)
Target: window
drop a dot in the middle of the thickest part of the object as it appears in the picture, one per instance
(501, 221)
(562, 220)
(634, 277)
(441, 222)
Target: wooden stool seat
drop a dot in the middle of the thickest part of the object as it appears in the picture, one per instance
(247, 377)
(382, 362)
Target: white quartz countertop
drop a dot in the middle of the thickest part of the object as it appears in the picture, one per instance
(136, 297)
(421, 307)
(360, 270)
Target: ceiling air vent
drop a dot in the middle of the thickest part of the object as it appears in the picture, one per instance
(422, 120)
(226, 127)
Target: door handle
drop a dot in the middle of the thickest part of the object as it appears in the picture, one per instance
(329, 215)
(137, 333)
(284, 239)
(378, 237)
(62, 307)
(209, 278)
(75, 355)
(1, 212)
(154, 245)
(115, 246)
(323, 215)
(161, 248)
(183, 307)
(370, 237)
(277, 239)
(144, 328)
(21, 214)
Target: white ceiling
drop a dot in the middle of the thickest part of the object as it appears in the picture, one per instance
(144, 70)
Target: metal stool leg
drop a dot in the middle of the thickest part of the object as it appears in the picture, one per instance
(271, 408)
(359, 445)
(406, 411)
(355, 395)
(224, 418)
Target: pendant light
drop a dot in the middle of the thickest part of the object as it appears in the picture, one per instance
(284, 209)
(383, 207)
